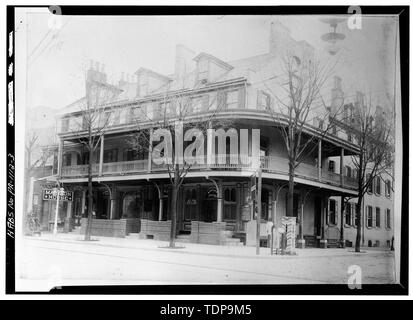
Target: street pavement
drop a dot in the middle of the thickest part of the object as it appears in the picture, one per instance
(47, 261)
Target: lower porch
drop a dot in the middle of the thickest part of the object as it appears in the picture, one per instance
(212, 211)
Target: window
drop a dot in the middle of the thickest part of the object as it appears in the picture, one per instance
(388, 219)
(332, 166)
(263, 100)
(369, 216)
(348, 212)
(65, 124)
(110, 155)
(388, 188)
(196, 104)
(353, 215)
(232, 99)
(348, 171)
(116, 118)
(106, 118)
(264, 204)
(377, 217)
(264, 146)
(355, 219)
(332, 212)
(67, 159)
(230, 203)
(355, 173)
(378, 186)
(370, 185)
(85, 157)
(203, 70)
(166, 109)
(133, 154)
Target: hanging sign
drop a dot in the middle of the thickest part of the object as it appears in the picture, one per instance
(65, 196)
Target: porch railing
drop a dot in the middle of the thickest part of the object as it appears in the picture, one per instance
(271, 164)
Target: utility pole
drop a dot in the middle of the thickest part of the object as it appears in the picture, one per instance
(259, 210)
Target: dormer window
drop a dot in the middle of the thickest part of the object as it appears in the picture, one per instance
(210, 68)
(203, 70)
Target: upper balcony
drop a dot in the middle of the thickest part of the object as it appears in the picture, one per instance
(232, 100)
(269, 164)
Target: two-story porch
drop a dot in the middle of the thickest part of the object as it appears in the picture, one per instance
(215, 197)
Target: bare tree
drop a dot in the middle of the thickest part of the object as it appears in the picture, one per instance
(178, 111)
(96, 116)
(373, 134)
(36, 154)
(298, 101)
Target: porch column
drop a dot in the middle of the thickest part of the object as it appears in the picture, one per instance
(342, 167)
(238, 208)
(102, 146)
(219, 202)
(198, 202)
(342, 223)
(302, 219)
(150, 150)
(68, 227)
(319, 160)
(160, 208)
(83, 202)
(301, 241)
(60, 157)
(113, 198)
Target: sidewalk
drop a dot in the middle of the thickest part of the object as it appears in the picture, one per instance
(202, 249)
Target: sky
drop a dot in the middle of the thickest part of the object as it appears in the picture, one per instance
(58, 57)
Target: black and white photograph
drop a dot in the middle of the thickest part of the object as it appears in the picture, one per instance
(231, 147)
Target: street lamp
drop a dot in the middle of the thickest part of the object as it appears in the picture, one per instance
(57, 192)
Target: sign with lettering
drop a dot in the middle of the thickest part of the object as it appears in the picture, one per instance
(65, 196)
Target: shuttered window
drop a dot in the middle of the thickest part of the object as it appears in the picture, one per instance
(388, 188)
(378, 218)
(378, 186)
(388, 219)
(370, 185)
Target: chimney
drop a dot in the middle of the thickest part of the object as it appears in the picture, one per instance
(337, 95)
(359, 98)
(183, 62)
(280, 38)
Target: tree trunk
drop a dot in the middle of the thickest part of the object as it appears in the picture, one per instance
(358, 220)
(290, 195)
(90, 195)
(173, 215)
(359, 200)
